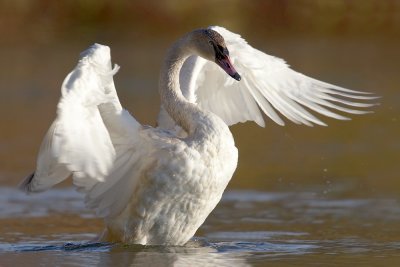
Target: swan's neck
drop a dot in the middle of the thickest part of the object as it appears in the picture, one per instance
(178, 107)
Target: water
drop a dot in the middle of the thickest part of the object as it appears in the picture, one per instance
(248, 228)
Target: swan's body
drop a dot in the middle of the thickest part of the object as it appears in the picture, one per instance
(158, 185)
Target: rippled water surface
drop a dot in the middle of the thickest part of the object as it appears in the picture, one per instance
(248, 228)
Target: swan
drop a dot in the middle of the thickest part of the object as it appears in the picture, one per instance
(156, 186)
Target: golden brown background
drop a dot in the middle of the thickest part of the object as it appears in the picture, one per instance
(354, 44)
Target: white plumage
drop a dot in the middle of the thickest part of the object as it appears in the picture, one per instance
(158, 185)
(267, 83)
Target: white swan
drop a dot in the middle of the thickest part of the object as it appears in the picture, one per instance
(158, 185)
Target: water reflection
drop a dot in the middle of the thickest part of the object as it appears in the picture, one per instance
(92, 254)
(177, 256)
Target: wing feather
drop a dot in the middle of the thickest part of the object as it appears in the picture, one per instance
(93, 138)
(267, 84)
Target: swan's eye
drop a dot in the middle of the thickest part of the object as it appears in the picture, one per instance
(211, 43)
(223, 50)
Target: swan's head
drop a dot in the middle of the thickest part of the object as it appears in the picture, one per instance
(210, 45)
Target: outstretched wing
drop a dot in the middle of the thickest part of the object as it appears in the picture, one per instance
(93, 138)
(267, 84)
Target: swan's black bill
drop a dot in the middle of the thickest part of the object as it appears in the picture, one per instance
(226, 65)
(236, 76)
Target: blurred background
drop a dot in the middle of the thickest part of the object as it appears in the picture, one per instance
(354, 44)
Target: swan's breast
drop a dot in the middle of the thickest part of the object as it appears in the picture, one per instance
(177, 193)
